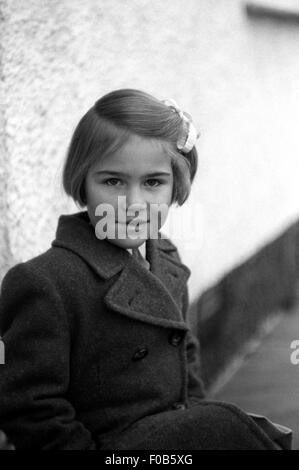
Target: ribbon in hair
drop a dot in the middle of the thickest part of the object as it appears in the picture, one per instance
(188, 137)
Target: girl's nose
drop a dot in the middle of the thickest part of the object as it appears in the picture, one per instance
(134, 197)
(136, 203)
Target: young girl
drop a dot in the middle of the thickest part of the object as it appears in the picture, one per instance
(99, 353)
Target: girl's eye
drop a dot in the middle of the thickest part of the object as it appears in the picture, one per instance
(111, 181)
(154, 182)
(151, 182)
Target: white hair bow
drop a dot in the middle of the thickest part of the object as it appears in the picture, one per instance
(187, 139)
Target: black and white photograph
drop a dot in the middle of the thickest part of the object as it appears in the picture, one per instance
(149, 227)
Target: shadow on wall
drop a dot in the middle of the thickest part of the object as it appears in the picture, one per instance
(231, 313)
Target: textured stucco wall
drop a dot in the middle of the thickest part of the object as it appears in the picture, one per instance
(237, 77)
(5, 259)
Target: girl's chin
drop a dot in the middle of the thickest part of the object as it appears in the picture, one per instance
(127, 243)
(125, 237)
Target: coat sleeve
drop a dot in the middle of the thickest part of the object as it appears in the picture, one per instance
(34, 410)
(195, 384)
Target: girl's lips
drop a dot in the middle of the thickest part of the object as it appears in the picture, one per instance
(141, 222)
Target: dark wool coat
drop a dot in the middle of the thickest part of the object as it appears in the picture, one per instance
(99, 354)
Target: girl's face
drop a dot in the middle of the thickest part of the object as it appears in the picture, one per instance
(140, 171)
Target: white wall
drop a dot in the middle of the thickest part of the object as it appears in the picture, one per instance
(237, 77)
(246, 88)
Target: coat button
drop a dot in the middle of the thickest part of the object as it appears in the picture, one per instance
(175, 338)
(140, 354)
(179, 406)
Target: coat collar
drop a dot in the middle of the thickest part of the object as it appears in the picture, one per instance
(152, 296)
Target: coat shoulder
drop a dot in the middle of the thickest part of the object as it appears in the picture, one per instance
(171, 252)
(58, 263)
(57, 268)
(168, 246)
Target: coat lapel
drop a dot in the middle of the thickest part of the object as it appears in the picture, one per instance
(150, 296)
